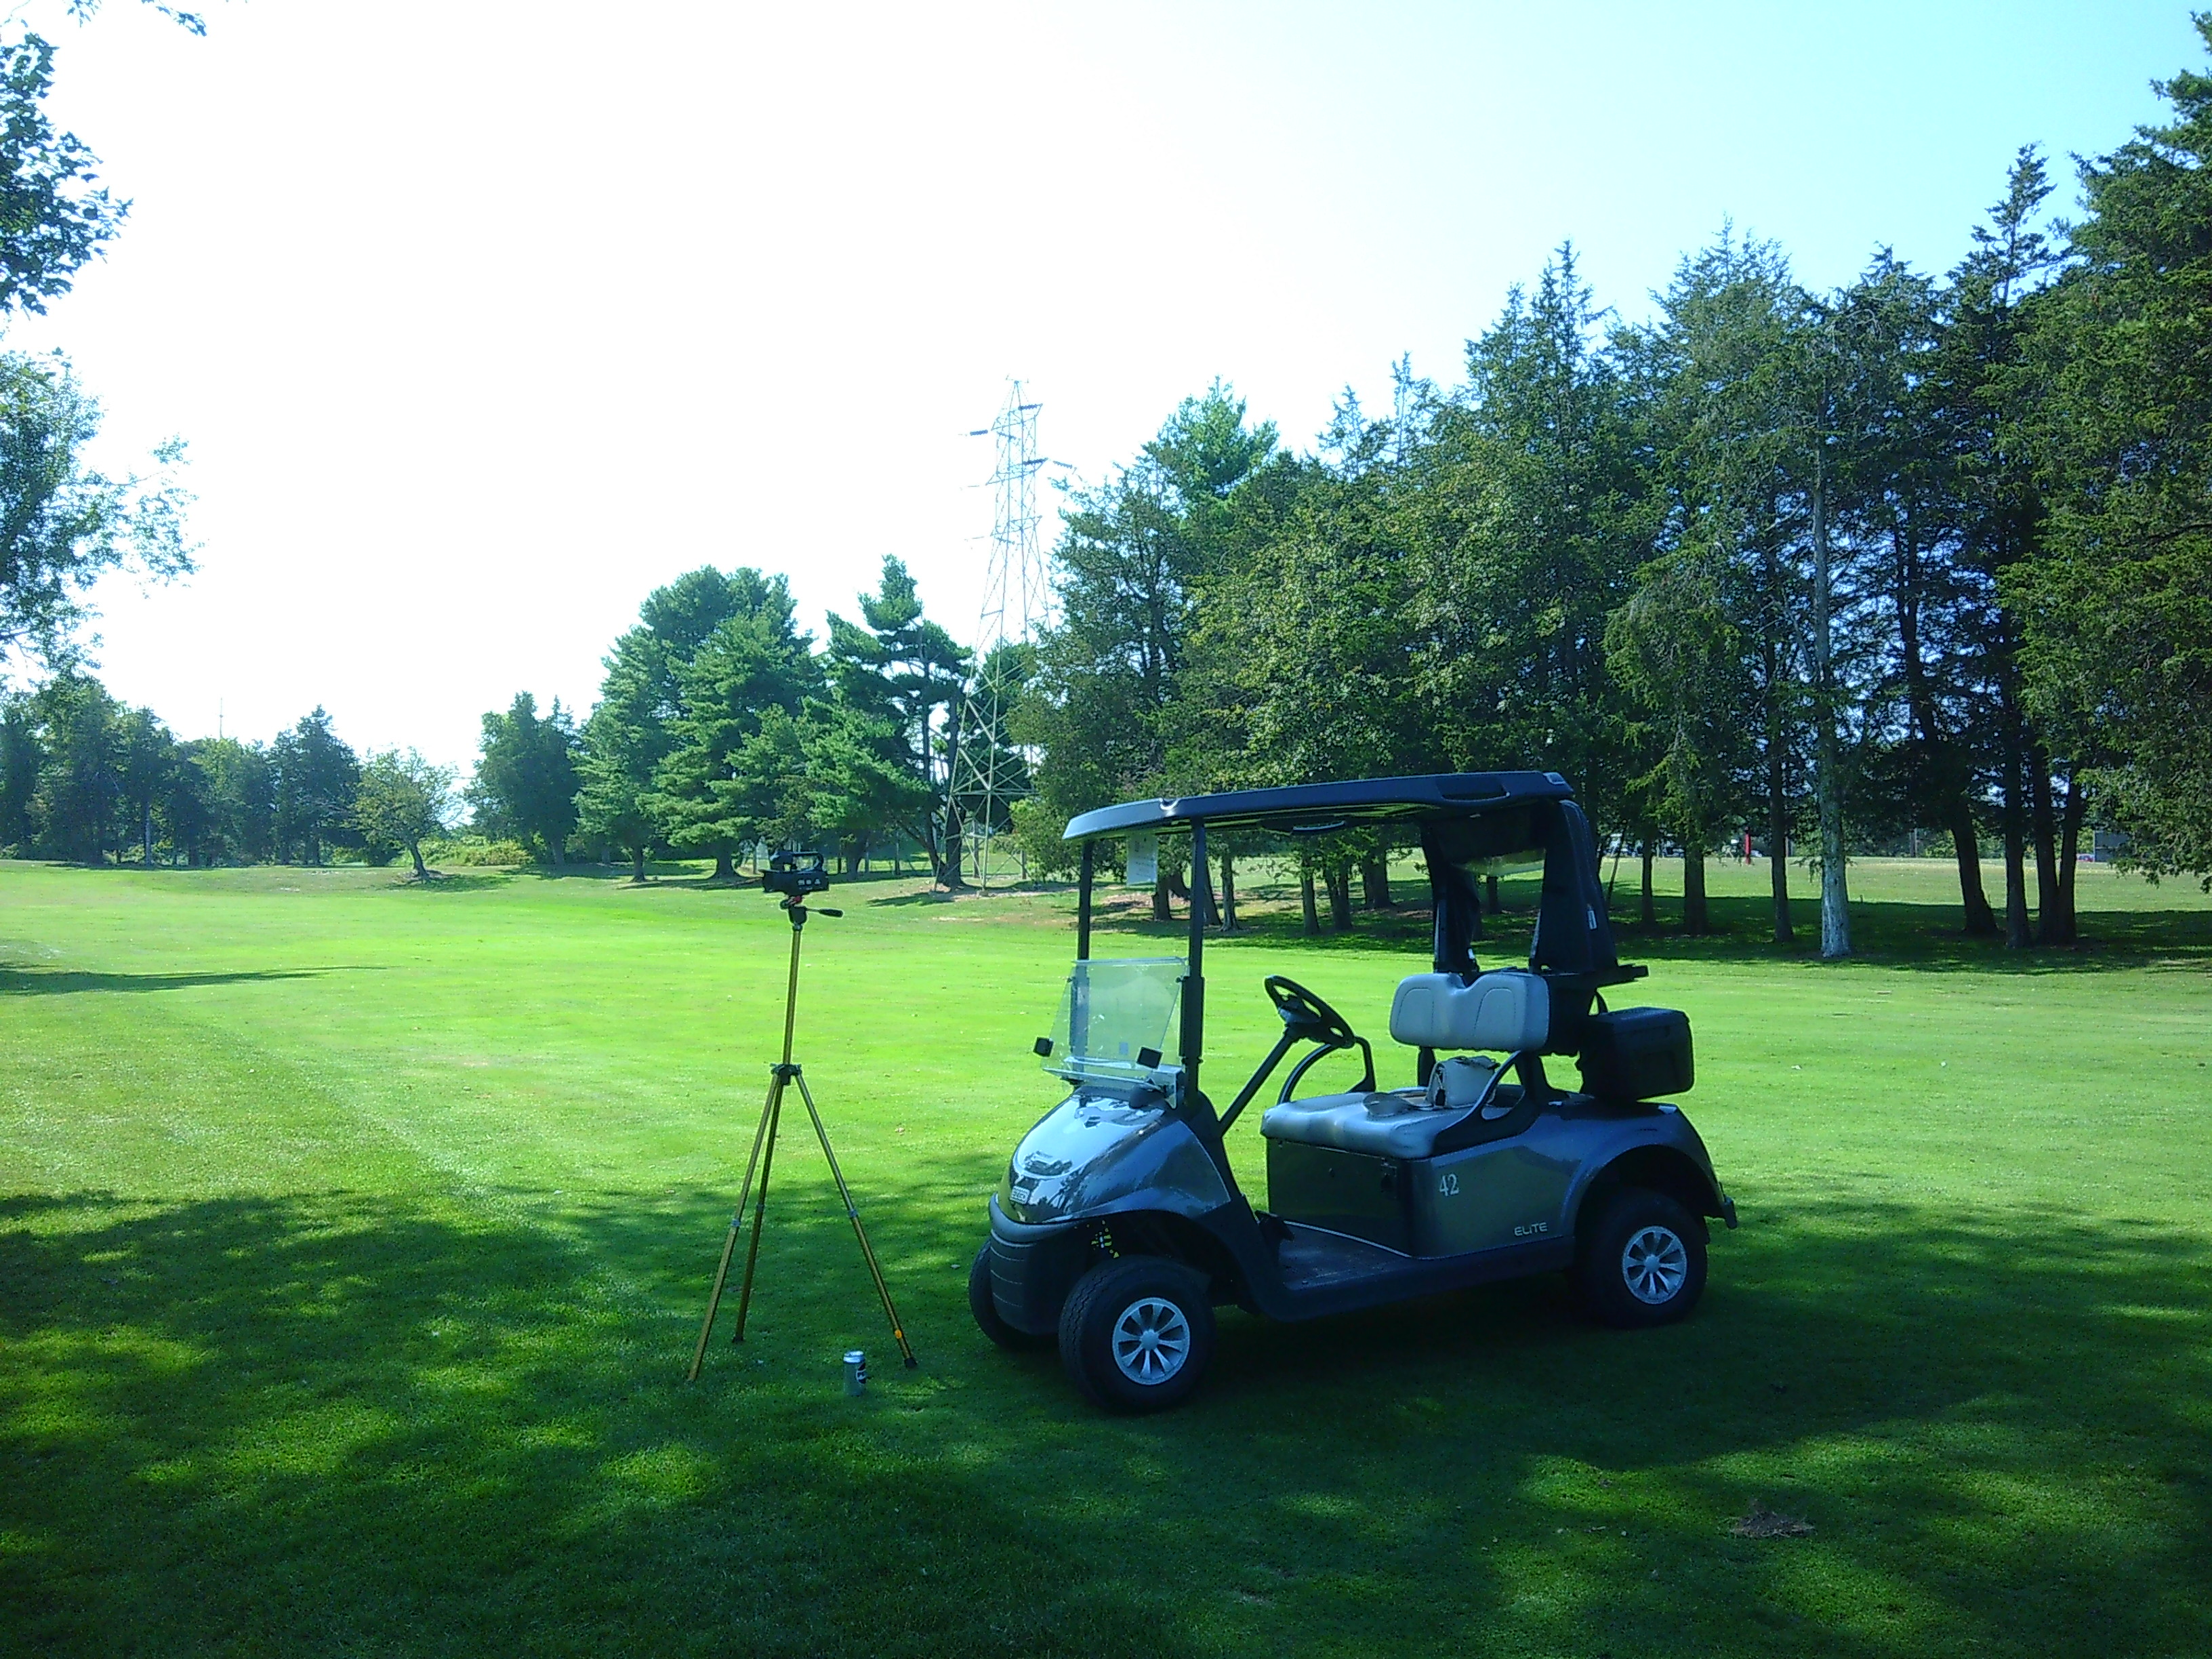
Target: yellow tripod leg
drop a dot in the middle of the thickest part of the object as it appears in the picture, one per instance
(730, 1244)
(875, 1272)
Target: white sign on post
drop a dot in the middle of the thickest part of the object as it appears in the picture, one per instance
(1143, 864)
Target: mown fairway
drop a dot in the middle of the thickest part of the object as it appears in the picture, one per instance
(352, 1239)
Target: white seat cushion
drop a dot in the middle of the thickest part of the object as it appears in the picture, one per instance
(1506, 1011)
(1399, 1124)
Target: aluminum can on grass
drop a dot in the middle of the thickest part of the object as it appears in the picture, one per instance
(856, 1371)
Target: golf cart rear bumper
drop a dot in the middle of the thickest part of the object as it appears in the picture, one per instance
(1034, 1267)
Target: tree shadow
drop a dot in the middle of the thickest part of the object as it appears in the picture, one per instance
(347, 1420)
(449, 881)
(24, 980)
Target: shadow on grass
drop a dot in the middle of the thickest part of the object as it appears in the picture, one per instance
(18, 980)
(347, 1421)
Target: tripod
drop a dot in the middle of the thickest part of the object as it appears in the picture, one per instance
(784, 1072)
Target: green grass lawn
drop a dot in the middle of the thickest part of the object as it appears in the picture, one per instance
(354, 1237)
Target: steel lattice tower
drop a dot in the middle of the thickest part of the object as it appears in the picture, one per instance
(988, 773)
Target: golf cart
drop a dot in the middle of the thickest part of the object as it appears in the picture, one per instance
(1120, 1225)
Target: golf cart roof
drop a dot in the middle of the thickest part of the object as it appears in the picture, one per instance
(1313, 808)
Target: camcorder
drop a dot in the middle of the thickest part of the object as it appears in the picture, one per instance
(795, 874)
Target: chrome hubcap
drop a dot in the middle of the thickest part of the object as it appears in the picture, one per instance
(1655, 1264)
(1152, 1339)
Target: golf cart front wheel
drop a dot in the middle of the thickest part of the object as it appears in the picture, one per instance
(1642, 1262)
(1137, 1333)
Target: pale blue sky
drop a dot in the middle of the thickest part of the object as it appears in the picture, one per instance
(483, 319)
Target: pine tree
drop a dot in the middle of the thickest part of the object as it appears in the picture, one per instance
(755, 660)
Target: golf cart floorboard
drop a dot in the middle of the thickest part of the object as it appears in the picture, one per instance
(1320, 1272)
(1312, 1257)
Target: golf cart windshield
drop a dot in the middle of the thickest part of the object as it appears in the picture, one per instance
(1117, 1019)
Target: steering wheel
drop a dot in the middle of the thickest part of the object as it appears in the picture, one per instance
(1307, 1017)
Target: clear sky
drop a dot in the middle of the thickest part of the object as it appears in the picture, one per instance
(482, 319)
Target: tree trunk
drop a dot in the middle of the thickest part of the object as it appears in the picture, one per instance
(1306, 898)
(146, 842)
(2018, 936)
(724, 869)
(422, 870)
(2069, 852)
(1778, 839)
(1340, 898)
(1647, 912)
(1981, 921)
(1228, 892)
(948, 874)
(1490, 896)
(1939, 767)
(1694, 917)
(1375, 882)
(637, 865)
(1778, 747)
(1160, 911)
(2050, 926)
(1835, 897)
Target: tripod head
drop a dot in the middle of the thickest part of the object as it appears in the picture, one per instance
(796, 907)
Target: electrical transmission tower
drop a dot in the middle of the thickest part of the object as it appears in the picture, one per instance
(988, 773)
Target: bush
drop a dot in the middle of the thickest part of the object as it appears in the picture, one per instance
(1036, 830)
(475, 849)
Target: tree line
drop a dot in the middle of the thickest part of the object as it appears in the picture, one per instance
(1925, 556)
(1923, 559)
(719, 729)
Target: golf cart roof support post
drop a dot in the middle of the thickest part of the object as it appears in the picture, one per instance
(1083, 902)
(1193, 984)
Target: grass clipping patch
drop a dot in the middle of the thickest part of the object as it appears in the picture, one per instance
(1763, 1523)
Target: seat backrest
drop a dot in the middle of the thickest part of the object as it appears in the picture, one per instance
(1506, 1011)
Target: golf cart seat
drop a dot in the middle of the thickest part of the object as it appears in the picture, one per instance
(1506, 1011)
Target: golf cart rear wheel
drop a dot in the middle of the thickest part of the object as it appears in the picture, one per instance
(1137, 1333)
(987, 1311)
(1643, 1261)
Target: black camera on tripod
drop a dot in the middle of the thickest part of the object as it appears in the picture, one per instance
(795, 874)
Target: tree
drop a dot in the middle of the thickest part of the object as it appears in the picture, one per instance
(525, 780)
(2113, 400)
(402, 802)
(81, 783)
(21, 756)
(1676, 649)
(317, 776)
(2001, 512)
(1530, 529)
(863, 783)
(755, 660)
(899, 677)
(628, 734)
(1109, 705)
(1709, 386)
(621, 744)
(52, 218)
(241, 792)
(185, 807)
(63, 524)
(148, 764)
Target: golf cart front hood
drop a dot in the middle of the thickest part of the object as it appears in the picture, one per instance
(1110, 1147)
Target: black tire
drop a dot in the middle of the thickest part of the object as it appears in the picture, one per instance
(987, 1311)
(1642, 1260)
(1156, 1313)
